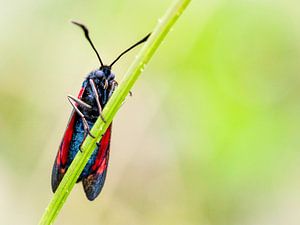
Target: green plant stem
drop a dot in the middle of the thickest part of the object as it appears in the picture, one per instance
(111, 108)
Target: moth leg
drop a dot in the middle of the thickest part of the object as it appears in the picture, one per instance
(85, 123)
(98, 143)
(105, 84)
(79, 101)
(113, 86)
(92, 83)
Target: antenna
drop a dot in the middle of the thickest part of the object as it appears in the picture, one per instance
(127, 50)
(86, 34)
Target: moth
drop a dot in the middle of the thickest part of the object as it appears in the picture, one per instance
(95, 91)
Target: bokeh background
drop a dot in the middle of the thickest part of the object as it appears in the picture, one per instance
(211, 135)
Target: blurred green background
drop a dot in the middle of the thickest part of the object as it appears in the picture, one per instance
(210, 136)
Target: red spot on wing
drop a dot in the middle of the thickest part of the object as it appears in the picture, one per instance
(103, 166)
(81, 92)
(62, 156)
(65, 144)
(101, 161)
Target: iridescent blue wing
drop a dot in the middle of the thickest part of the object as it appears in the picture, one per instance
(93, 183)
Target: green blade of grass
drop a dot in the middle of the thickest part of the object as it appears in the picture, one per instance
(159, 33)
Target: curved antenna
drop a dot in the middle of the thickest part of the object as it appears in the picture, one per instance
(127, 50)
(86, 34)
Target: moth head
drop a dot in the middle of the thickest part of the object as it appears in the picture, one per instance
(104, 73)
